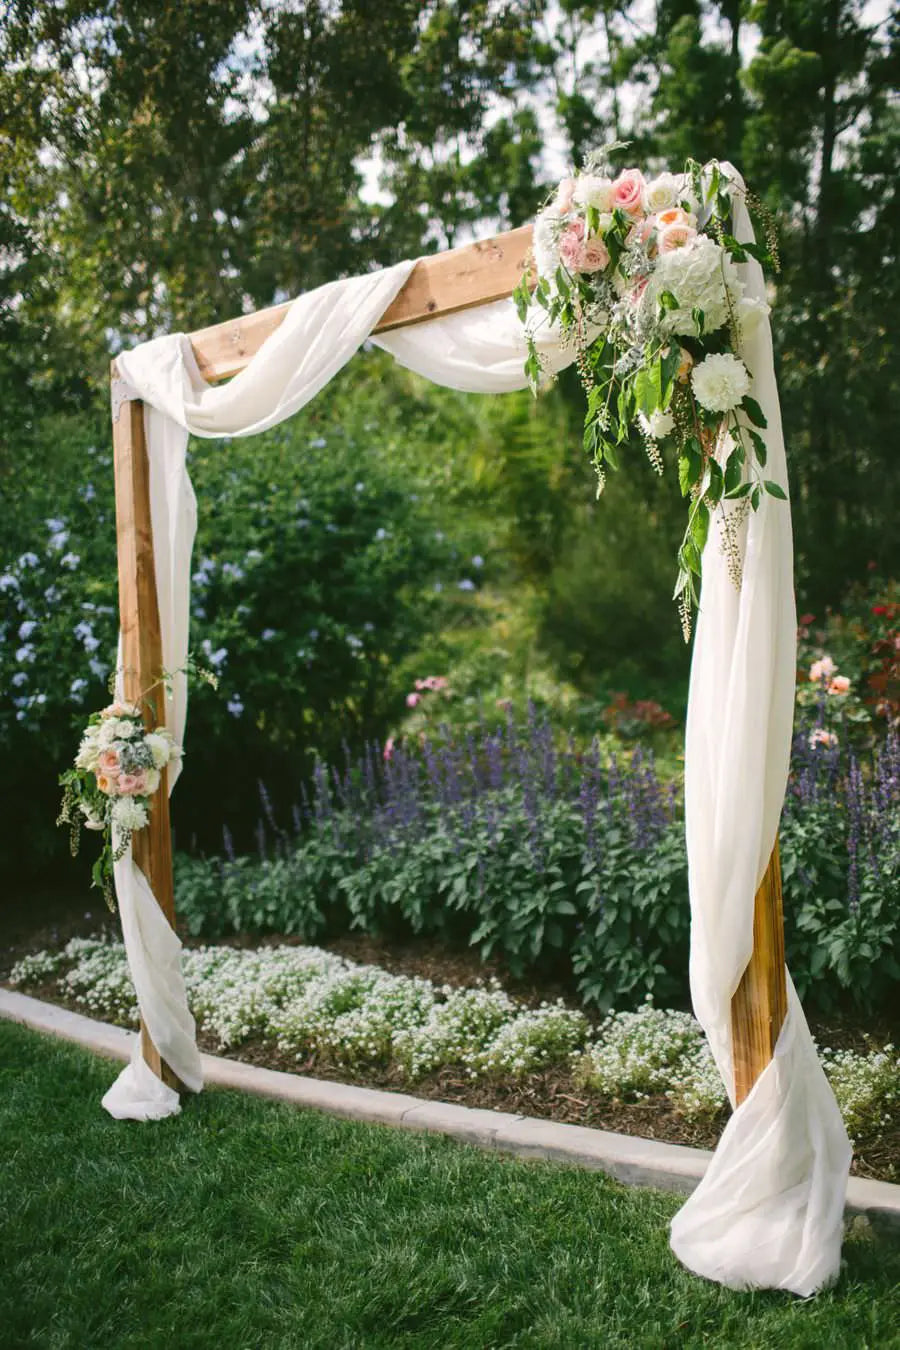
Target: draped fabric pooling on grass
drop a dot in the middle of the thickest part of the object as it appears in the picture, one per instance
(769, 1211)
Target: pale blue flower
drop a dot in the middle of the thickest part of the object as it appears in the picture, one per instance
(438, 586)
(235, 706)
(58, 540)
(25, 653)
(87, 493)
(54, 525)
(380, 534)
(20, 678)
(318, 444)
(70, 560)
(28, 560)
(8, 582)
(98, 668)
(52, 595)
(466, 584)
(76, 688)
(268, 634)
(358, 487)
(26, 629)
(478, 561)
(233, 570)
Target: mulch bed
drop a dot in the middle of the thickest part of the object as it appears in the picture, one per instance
(552, 1094)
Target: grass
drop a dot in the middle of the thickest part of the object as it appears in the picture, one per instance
(244, 1223)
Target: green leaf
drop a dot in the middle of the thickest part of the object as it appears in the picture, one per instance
(775, 490)
(716, 482)
(667, 301)
(740, 491)
(755, 497)
(754, 411)
(700, 528)
(684, 474)
(733, 471)
(759, 447)
(668, 370)
(699, 320)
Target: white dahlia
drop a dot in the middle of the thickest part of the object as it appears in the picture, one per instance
(720, 382)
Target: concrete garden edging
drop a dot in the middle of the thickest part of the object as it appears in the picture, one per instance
(634, 1161)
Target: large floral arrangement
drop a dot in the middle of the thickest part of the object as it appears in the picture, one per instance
(640, 274)
(118, 768)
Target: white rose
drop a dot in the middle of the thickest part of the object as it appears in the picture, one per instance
(662, 193)
(658, 424)
(160, 746)
(720, 382)
(591, 190)
(88, 751)
(750, 314)
(151, 779)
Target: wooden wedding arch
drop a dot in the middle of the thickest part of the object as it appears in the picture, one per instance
(438, 285)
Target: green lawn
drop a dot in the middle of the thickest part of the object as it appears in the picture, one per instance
(244, 1223)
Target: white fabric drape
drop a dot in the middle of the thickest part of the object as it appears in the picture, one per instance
(768, 1212)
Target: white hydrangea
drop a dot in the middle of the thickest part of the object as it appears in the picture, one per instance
(720, 382)
(701, 276)
(161, 747)
(592, 190)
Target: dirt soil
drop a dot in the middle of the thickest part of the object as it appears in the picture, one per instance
(53, 917)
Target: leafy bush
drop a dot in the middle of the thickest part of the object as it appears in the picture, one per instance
(564, 863)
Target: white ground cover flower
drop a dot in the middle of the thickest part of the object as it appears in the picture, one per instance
(456, 1030)
(534, 1038)
(866, 1086)
(37, 968)
(100, 980)
(637, 1051)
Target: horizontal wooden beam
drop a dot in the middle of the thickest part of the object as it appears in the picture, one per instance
(440, 284)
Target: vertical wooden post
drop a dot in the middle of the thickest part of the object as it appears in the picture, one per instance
(142, 651)
(759, 1006)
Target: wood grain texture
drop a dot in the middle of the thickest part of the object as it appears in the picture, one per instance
(759, 1006)
(142, 653)
(441, 284)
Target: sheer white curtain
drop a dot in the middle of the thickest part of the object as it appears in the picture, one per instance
(768, 1213)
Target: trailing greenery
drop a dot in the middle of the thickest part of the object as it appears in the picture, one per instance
(245, 1222)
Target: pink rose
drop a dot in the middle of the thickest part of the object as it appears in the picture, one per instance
(571, 247)
(412, 700)
(675, 236)
(628, 192)
(595, 255)
(840, 684)
(109, 762)
(564, 195)
(131, 784)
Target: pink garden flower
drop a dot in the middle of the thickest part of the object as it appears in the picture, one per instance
(628, 192)
(571, 245)
(840, 684)
(822, 737)
(822, 669)
(412, 700)
(594, 256)
(109, 762)
(388, 751)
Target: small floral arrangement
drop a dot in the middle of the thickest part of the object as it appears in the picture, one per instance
(118, 768)
(640, 275)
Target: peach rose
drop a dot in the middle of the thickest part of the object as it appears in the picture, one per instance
(106, 784)
(595, 255)
(628, 192)
(109, 762)
(840, 684)
(675, 216)
(675, 236)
